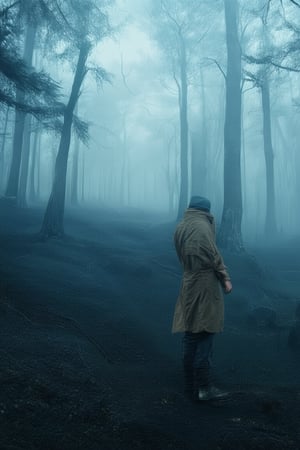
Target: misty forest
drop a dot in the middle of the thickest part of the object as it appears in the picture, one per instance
(113, 114)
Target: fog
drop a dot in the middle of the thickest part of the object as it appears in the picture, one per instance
(132, 156)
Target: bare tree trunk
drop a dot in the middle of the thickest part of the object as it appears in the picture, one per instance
(2, 151)
(270, 221)
(198, 169)
(170, 177)
(230, 235)
(13, 179)
(25, 162)
(184, 186)
(82, 194)
(74, 174)
(199, 150)
(33, 163)
(124, 182)
(128, 183)
(53, 223)
(38, 165)
(75, 167)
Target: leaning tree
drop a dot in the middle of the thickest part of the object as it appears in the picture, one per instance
(86, 23)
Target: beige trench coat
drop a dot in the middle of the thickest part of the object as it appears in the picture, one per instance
(200, 305)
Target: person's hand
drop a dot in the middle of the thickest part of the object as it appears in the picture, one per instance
(227, 287)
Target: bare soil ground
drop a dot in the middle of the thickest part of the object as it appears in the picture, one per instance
(87, 357)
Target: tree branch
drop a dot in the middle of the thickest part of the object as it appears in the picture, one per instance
(167, 13)
(4, 10)
(295, 3)
(290, 69)
(268, 60)
(177, 84)
(219, 67)
(124, 76)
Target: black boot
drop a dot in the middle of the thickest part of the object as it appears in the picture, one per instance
(202, 383)
(204, 387)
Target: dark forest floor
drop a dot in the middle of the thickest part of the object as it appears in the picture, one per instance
(87, 357)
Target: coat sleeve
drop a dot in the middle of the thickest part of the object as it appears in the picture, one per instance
(218, 264)
(177, 243)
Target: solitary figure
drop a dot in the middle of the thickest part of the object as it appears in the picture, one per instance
(199, 311)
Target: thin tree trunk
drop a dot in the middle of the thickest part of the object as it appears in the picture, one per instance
(38, 165)
(230, 235)
(124, 190)
(128, 184)
(270, 221)
(75, 169)
(82, 179)
(74, 174)
(25, 162)
(199, 151)
(243, 156)
(13, 179)
(183, 195)
(169, 177)
(2, 151)
(33, 163)
(53, 223)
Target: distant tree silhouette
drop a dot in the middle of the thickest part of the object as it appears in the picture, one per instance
(270, 58)
(13, 179)
(177, 25)
(16, 74)
(22, 88)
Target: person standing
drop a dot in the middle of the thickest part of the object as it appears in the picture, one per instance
(199, 311)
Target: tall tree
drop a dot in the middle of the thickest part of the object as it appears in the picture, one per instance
(263, 63)
(75, 174)
(230, 234)
(24, 169)
(22, 88)
(53, 219)
(177, 31)
(13, 178)
(33, 163)
(270, 221)
(183, 117)
(2, 148)
(199, 147)
(86, 25)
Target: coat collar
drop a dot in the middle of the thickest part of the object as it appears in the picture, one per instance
(198, 213)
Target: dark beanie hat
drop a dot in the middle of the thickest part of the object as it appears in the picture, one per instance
(198, 202)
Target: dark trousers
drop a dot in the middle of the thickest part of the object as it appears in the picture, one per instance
(197, 350)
